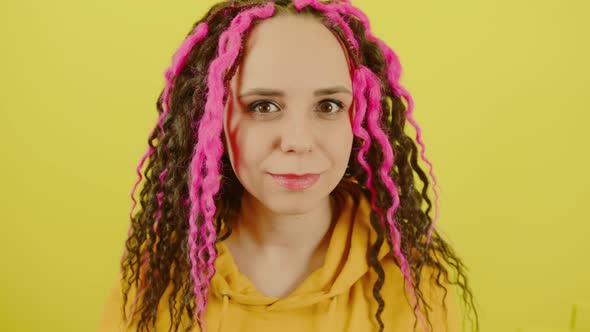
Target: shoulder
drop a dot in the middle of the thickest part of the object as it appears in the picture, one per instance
(112, 313)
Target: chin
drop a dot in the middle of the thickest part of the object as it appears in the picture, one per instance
(292, 202)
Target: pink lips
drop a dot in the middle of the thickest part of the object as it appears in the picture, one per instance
(296, 182)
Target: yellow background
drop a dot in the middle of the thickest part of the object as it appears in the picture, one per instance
(501, 93)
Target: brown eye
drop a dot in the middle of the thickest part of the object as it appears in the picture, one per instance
(262, 107)
(331, 106)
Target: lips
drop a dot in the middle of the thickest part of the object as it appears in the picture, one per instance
(295, 181)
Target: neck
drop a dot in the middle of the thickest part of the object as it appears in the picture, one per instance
(273, 235)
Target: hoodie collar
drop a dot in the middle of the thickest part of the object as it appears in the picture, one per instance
(345, 263)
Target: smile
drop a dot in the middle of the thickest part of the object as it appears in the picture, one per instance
(296, 182)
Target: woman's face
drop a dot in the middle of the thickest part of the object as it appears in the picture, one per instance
(289, 112)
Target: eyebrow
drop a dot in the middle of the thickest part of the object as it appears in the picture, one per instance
(272, 93)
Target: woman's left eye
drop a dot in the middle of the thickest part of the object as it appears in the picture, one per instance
(331, 109)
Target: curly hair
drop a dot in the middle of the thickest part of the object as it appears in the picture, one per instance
(191, 193)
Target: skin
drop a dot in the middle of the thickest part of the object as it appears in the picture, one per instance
(280, 236)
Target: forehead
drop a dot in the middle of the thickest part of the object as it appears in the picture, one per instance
(294, 54)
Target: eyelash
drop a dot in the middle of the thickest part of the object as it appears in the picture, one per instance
(253, 105)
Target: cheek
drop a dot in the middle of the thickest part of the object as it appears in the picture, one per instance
(236, 142)
(243, 147)
(249, 146)
(338, 141)
(246, 141)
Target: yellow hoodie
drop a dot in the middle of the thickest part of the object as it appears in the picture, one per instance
(336, 297)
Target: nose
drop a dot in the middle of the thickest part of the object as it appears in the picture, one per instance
(296, 134)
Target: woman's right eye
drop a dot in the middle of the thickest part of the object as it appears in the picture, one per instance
(262, 107)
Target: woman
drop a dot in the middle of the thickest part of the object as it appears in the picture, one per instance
(277, 169)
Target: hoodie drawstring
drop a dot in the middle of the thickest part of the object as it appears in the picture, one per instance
(330, 316)
(223, 311)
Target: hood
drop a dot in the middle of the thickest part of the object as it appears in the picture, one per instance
(345, 263)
